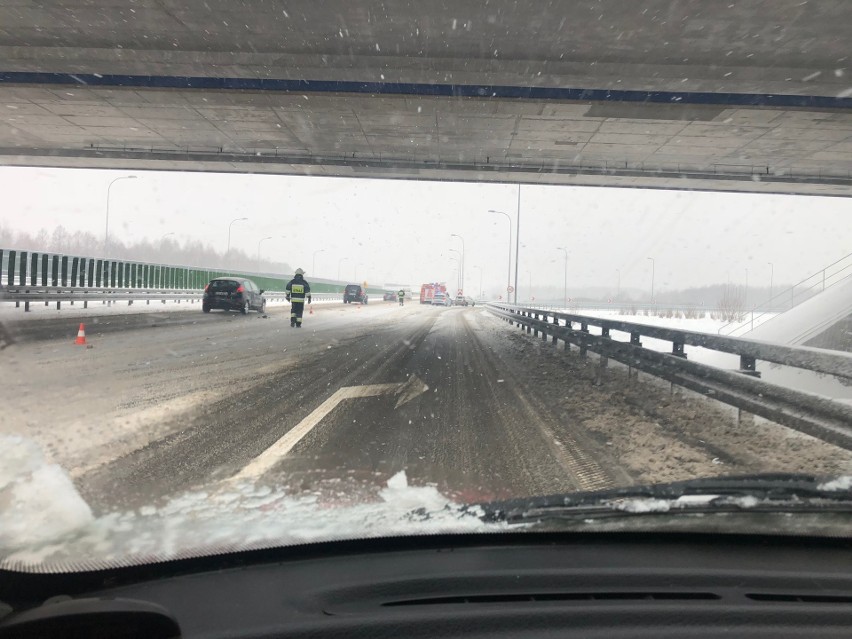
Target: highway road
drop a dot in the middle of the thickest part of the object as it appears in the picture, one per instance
(163, 403)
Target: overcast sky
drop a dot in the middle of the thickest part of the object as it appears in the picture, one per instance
(399, 231)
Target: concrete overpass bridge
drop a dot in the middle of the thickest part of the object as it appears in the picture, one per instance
(752, 96)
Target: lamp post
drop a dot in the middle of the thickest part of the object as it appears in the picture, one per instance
(339, 264)
(314, 261)
(457, 260)
(461, 267)
(565, 284)
(109, 188)
(239, 219)
(462, 259)
(771, 278)
(509, 276)
(258, 250)
(653, 266)
(517, 241)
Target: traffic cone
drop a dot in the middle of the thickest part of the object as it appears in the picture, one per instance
(81, 335)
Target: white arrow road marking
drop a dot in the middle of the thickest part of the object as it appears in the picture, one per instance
(268, 458)
(409, 390)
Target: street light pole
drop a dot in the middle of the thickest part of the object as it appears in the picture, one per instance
(461, 267)
(258, 250)
(239, 219)
(517, 241)
(653, 266)
(109, 188)
(462, 259)
(509, 274)
(771, 278)
(458, 267)
(565, 285)
(314, 261)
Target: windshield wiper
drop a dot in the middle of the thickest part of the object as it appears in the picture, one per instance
(753, 493)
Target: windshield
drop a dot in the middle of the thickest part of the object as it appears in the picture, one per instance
(496, 253)
(224, 285)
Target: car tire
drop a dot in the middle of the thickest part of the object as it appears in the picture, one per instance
(246, 308)
(206, 309)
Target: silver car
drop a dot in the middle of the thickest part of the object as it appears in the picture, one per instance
(441, 299)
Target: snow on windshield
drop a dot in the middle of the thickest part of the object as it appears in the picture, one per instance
(46, 524)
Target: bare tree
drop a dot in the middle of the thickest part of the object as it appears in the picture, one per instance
(732, 304)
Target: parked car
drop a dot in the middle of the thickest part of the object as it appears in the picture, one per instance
(471, 301)
(460, 300)
(441, 299)
(354, 293)
(233, 294)
(389, 296)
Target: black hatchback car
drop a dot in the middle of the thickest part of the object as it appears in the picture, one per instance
(233, 294)
(354, 293)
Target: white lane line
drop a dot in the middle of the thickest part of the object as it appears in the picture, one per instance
(268, 458)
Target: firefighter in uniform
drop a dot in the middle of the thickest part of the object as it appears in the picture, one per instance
(401, 295)
(297, 291)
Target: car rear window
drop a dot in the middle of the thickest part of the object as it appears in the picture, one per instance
(353, 288)
(223, 285)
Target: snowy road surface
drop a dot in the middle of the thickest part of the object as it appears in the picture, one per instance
(169, 402)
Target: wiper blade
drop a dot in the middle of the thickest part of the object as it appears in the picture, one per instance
(764, 492)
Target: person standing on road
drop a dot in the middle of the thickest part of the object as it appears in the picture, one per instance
(401, 295)
(297, 291)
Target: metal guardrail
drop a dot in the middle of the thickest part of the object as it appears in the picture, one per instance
(816, 416)
(813, 359)
(281, 296)
(58, 295)
(53, 294)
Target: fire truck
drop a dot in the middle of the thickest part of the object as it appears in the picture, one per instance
(427, 292)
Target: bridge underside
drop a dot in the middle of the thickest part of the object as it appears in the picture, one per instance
(654, 94)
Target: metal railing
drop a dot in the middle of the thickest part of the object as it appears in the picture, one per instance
(817, 416)
(800, 292)
(59, 295)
